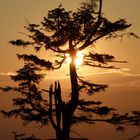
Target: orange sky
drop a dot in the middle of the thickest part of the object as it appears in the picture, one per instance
(12, 19)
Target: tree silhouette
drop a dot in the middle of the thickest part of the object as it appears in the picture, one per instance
(66, 32)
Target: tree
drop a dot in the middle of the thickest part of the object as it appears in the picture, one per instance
(66, 32)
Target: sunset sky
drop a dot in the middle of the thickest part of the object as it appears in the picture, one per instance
(15, 13)
(13, 16)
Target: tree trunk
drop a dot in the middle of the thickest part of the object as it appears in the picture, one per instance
(73, 75)
(69, 108)
(58, 135)
(74, 83)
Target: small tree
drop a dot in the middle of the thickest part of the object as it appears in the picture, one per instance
(66, 32)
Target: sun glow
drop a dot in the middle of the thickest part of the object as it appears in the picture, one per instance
(78, 60)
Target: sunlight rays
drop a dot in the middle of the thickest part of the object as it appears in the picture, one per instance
(78, 60)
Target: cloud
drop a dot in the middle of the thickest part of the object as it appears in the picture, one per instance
(121, 72)
(101, 73)
(114, 77)
(6, 74)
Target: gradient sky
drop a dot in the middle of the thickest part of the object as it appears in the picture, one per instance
(13, 15)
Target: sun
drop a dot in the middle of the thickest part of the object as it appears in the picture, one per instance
(78, 60)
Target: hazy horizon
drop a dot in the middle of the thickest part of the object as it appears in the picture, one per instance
(123, 96)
